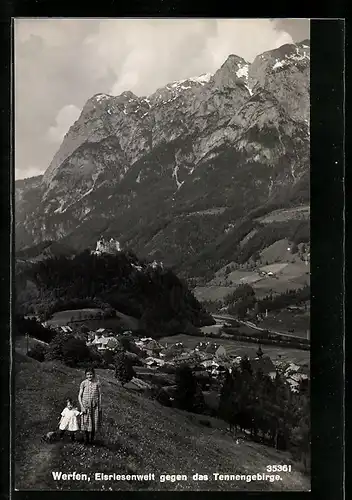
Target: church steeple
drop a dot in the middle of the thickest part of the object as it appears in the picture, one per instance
(259, 352)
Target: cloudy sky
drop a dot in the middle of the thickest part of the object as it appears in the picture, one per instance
(61, 63)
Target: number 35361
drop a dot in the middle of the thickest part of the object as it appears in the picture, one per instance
(279, 468)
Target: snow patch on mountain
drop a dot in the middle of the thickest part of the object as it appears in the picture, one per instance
(147, 101)
(102, 97)
(59, 209)
(242, 71)
(202, 79)
(293, 58)
(174, 174)
(278, 64)
(87, 193)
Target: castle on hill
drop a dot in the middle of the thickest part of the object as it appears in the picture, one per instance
(111, 246)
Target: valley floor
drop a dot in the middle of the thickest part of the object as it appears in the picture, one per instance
(240, 348)
(138, 437)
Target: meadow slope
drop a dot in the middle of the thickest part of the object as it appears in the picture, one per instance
(138, 436)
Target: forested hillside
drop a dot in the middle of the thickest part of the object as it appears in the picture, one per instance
(153, 294)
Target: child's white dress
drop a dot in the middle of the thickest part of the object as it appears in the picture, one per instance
(69, 420)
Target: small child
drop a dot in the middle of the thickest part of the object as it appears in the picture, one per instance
(69, 420)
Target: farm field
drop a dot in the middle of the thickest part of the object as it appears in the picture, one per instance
(203, 293)
(288, 320)
(87, 316)
(274, 268)
(239, 348)
(280, 251)
(281, 215)
(209, 211)
(62, 318)
(274, 286)
(288, 276)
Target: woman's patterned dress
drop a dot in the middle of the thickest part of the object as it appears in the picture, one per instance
(91, 420)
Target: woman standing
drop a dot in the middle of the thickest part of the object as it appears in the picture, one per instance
(89, 398)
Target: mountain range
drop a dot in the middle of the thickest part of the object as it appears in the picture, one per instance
(182, 175)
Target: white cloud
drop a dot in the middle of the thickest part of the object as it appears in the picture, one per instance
(61, 63)
(64, 119)
(282, 39)
(147, 54)
(31, 171)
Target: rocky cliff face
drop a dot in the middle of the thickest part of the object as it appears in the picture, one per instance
(140, 169)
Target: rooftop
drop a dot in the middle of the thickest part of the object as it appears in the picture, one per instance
(263, 364)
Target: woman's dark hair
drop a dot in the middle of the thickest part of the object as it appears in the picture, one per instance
(90, 370)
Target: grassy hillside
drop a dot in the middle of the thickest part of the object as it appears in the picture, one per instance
(138, 436)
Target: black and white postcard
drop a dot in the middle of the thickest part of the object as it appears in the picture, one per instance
(161, 330)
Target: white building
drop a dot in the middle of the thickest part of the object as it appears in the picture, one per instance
(111, 246)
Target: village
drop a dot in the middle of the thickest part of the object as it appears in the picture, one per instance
(208, 359)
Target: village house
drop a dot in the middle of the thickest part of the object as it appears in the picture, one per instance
(295, 379)
(211, 349)
(263, 364)
(201, 347)
(152, 347)
(142, 342)
(213, 367)
(214, 349)
(66, 329)
(188, 358)
(152, 362)
(173, 350)
(149, 346)
(220, 352)
(207, 364)
(102, 342)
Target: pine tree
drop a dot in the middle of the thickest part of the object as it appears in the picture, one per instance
(226, 409)
(186, 388)
(246, 365)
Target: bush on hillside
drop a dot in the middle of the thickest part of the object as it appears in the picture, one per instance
(124, 371)
(75, 352)
(160, 395)
(37, 352)
(108, 356)
(55, 349)
(96, 358)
